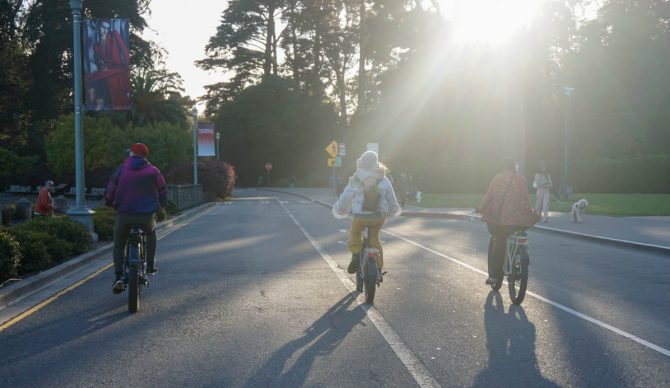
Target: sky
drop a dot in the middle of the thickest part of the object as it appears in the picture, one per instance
(184, 30)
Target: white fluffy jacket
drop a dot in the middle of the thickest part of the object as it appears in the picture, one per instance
(353, 195)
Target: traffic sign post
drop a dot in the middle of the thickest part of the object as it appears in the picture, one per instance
(268, 168)
(332, 149)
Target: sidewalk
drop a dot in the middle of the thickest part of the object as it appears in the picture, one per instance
(650, 233)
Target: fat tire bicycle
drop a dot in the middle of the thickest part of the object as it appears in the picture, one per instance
(135, 267)
(515, 267)
(368, 275)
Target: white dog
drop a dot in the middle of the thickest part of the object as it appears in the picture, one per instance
(578, 210)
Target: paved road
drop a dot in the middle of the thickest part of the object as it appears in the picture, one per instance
(252, 293)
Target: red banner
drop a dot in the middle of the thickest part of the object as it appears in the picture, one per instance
(206, 139)
(106, 64)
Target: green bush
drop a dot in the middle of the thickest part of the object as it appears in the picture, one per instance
(71, 232)
(10, 256)
(217, 177)
(171, 208)
(34, 251)
(103, 222)
(648, 174)
(106, 142)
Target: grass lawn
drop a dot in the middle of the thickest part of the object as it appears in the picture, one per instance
(604, 204)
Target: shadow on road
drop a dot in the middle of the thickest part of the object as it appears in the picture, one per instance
(321, 338)
(510, 341)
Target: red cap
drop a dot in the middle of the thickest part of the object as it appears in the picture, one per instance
(139, 149)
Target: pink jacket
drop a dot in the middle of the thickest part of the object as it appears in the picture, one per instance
(516, 208)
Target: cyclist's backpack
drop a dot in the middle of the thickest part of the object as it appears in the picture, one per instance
(371, 198)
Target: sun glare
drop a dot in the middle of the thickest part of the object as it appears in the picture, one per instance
(489, 21)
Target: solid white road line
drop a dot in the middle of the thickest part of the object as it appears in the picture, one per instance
(568, 310)
(404, 353)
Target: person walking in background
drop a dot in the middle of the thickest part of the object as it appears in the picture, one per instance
(370, 197)
(403, 188)
(542, 185)
(45, 203)
(137, 189)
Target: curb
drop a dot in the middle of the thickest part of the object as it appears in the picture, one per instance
(25, 287)
(583, 236)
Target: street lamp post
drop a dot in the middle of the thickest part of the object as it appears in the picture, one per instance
(80, 213)
(195, 145)
(566, 189)
(218, 137)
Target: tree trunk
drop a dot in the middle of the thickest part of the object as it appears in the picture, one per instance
(361, 59)
(294, 44)
(342, 92)
(269, 41)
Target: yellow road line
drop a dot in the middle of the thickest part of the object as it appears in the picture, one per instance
(52, 298)
(62, 292)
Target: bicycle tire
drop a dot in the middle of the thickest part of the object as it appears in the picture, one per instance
(494, 286)
(133, 282)
(370, 283)
(518, 284)
(359, 280)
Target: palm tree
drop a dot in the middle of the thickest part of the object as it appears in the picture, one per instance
(156, 98)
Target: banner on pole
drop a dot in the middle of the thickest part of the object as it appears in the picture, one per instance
(206, 139)
(106, 64)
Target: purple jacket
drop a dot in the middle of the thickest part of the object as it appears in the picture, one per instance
(136, 187)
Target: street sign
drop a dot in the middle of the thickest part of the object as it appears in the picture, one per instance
(343, 149)
(332, 149)
(338, 161)
(331, 162)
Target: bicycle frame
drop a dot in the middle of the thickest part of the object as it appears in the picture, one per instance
(367, 276)
(135, 267)
(515, 241)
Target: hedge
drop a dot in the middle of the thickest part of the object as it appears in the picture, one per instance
(10, 256)
(34, 252)
(647, 174)
(74, 234)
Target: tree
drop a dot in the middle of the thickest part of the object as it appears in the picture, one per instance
(272, 122)
(621, 75)
(151, 98)
(245, 44)
(14, 78)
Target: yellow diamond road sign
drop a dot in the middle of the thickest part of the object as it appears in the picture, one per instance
(332, 149)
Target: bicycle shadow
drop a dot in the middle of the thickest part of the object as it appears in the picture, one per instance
(30, 340)
(510, 341)
(321, 338)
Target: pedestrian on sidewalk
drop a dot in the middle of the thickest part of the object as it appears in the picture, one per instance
(403, 188)
(542, 184)
(370, 197)
(45, 203)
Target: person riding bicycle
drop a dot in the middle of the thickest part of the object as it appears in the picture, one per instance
(136, 190)
(505, 208)
(371, 198)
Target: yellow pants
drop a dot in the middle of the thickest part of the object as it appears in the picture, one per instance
(355, 240)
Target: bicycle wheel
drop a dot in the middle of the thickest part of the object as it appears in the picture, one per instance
(495, 286)
(133, 280)
(359, 279)
(370, 284)
(518, 280)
